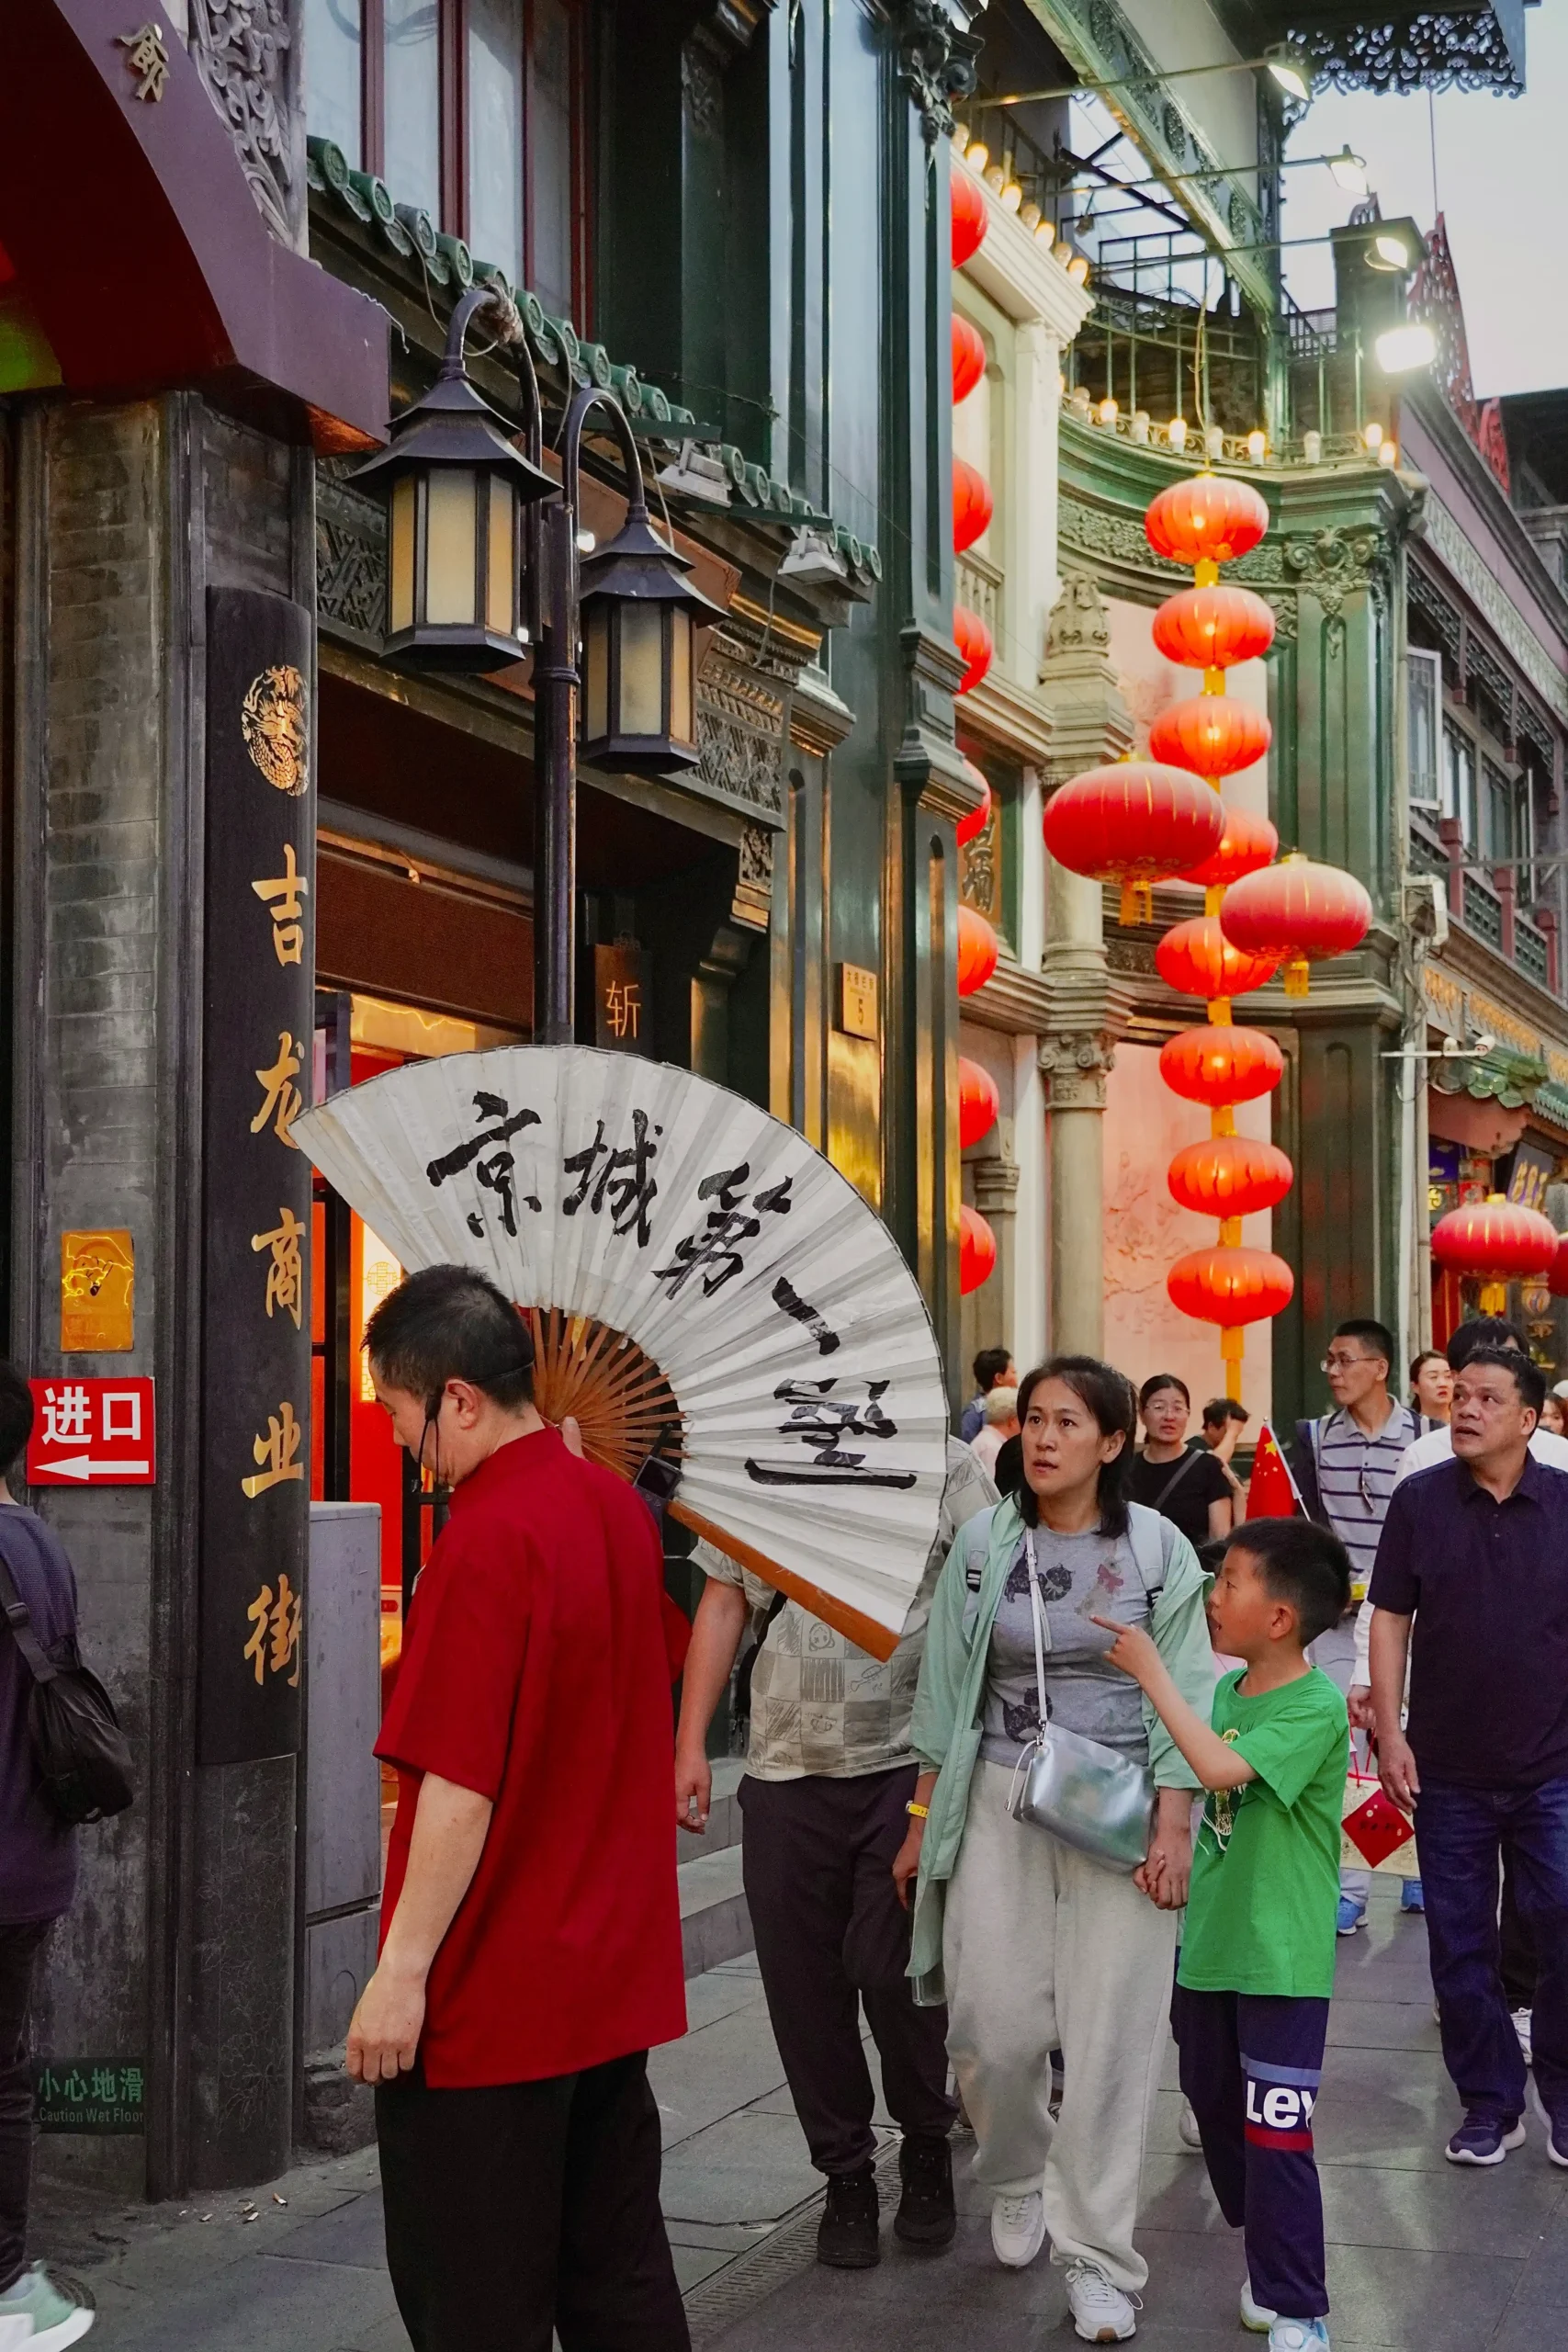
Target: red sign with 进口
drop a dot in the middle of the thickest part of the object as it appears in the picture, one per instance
(91, 1434)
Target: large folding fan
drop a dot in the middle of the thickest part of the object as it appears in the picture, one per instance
(703, 1285)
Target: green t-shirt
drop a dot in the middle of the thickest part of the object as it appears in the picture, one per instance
(1266, 1867)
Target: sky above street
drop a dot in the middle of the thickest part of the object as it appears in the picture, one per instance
(1502, 185)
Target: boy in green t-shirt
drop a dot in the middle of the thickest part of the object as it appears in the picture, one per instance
(1257, 1963)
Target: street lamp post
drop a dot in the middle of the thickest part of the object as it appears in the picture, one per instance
(484, 560)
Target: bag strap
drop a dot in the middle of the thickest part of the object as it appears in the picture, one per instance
(1177, 1476)
(18, 1616)
(1037, 1608)
(1144, 1529)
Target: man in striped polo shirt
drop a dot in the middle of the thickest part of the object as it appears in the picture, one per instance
(1347, 1464)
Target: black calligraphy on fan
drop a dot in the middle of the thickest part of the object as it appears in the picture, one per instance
(837, 1430)
(715, 1252)
(492, 1163)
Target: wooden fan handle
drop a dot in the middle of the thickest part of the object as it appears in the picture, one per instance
(864, 1632)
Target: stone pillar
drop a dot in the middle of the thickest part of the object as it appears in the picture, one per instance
(1089, 724)
(175, 1967)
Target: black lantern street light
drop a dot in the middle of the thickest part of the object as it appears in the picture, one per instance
(483, 558)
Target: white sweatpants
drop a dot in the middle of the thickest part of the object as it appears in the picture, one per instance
(1044, 1949)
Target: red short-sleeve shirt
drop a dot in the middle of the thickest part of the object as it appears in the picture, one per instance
(535, 1671)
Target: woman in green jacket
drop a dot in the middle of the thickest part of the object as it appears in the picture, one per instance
(1033, 1945)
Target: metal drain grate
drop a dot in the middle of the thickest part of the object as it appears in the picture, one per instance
(791, 2248)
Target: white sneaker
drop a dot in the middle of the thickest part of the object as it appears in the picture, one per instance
(1523, 2020)
(1101, 2312)
(1254, 2314)
(1186, 2124)
(1018, 2229)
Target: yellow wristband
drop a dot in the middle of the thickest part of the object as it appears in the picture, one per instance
(920, 1812)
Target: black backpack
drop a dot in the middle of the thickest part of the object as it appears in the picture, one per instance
(83, 1757)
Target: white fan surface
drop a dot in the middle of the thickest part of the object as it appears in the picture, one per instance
(826, 1460)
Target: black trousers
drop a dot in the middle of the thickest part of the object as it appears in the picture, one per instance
(19, 1949)
(831, 1932)
(1251, 2064)
(526, 2209)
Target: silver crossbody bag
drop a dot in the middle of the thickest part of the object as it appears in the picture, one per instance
(1081, 1790)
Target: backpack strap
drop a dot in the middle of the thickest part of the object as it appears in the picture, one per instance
(18, 1616)
(1150, 1536)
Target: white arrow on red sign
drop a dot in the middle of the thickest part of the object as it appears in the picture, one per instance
(82, 1465)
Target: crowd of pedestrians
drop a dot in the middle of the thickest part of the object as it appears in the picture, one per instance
(1096, 1790)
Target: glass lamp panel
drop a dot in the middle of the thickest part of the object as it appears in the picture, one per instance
(412, 101)
(642, 670)
(502, 568)
(596, 675)
(332, 74)
(401, 600)
(682, 712)
(495, 133)
(449, 557)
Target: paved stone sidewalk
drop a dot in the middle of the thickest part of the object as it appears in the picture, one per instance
(1423, 2258)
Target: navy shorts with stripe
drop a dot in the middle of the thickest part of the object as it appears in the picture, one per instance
(1251, 2067)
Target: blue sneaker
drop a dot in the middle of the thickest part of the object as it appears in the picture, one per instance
(1557, 2140)
(1299, 2335)
(1486, 2138)
(1351, 1915)
(1410, 1896)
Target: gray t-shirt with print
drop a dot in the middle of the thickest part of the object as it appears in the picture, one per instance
(1081, 1577)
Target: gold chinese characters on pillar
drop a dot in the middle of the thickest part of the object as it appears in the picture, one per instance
(97, 1293)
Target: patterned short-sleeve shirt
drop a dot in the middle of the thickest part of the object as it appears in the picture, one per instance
(819, 1705)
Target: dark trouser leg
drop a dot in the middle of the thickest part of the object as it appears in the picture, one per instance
(18, 1949)
(471, 2181)
(1281, 2063)
(1537, 1831)
(911, 2042)
(1458, 1835)
(798, 1870)
(617, 2279)
(1208, 2053)
(1518, 1947)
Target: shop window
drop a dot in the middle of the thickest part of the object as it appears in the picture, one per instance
(475, 110)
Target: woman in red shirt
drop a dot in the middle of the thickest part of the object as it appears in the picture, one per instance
(530, 1939)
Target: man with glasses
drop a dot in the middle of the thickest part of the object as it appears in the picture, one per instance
(1346, 1466)
(1481, 1333)
(1474, 1553)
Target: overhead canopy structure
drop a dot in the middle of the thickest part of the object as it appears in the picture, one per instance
(1402, 47)
(133, 257)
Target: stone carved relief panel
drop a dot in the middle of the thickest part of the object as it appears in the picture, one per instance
(244, 51)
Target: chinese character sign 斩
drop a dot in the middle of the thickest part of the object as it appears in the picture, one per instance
(91, 1434)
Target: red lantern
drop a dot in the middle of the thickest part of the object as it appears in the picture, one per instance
(969, 358)
(1214, 629)
(970, 828)
(1497, 1239)
(973, 640)
(1135, 823)
(976, 1249)
(1557, 1279)
(1208, 519)
(978, 1101)
(978, 951)
(1211, 734)
(969, 223)
(1248, 842)
(970, 504)
(1297, 910)
(1229, 1285)
(1197, 958)
(1220, 1066)
(1227, 1176)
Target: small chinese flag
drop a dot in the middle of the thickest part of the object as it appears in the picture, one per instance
(1272, 1492)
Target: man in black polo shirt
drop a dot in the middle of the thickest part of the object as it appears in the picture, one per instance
(1476, 1552)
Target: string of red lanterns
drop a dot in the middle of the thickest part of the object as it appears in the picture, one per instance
(978, 1101)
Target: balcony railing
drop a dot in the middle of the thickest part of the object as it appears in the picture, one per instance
(977, 583)
(1487, 908)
